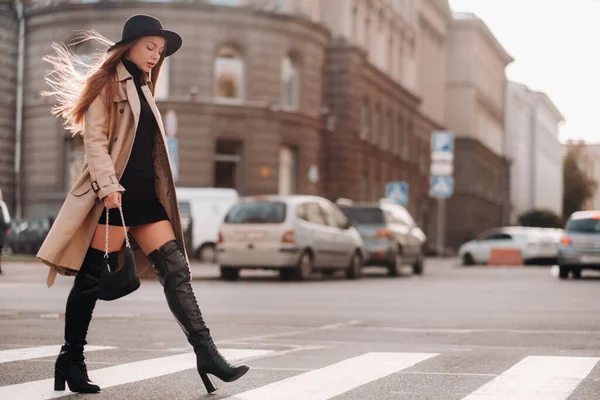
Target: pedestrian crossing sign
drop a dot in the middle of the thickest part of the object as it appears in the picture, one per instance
(442, 186)
(398, 192)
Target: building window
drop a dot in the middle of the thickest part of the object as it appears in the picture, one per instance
(366, 184)
(367, 37)
(365, 119)
(229, 75)
(161, 92)
(231, 3)
(408, 142)
(387, 133)
(400, 138)
(391, 56)
(400, 58)
(290, 86)
(353, 24)
(376, 125)
(381, 42)
(288, 170)
(74, 159)
(228, 164)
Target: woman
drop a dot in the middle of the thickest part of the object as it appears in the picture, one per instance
(127, 165)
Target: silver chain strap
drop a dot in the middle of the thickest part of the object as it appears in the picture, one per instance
(106, 231)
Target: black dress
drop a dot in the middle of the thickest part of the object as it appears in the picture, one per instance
(139, 201)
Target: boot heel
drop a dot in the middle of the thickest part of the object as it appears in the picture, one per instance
(208, 382)
(59, 381)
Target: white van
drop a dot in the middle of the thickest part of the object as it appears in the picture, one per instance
(202, 213)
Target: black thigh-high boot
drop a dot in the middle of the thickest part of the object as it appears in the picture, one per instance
(70, 365)
(174, 275)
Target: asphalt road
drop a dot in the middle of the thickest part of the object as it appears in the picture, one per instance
(455, 333)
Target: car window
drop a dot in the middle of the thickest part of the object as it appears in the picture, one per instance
(257, 212)
(364, 215)
(184, 208)
(335, 217)
(500, 236)
(487, 235)
(314, 214)
(301, 212)
(328, 215)
(583, 225)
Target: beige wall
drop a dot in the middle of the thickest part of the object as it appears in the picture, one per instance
(476, 82)
(533, 147)
(385, 29)
(434, 23)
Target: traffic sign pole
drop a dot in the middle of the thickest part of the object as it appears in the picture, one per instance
(441, 226)
(442, 183)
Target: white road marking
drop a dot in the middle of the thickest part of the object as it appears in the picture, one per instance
(120, 374)
(28, 353)
(537, 377)
(333, 380)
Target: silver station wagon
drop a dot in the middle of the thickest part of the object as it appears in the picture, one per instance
(294, 234)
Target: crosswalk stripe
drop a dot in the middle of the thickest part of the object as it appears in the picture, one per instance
(537, 377)
(37, 352)
(333, 380)
(120, 374)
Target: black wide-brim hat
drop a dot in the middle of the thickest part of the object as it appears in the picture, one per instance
(138, 26)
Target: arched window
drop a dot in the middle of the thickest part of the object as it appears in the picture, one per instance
(229, 75)
(290, 83)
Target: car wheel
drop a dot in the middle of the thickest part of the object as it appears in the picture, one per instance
(468, 259)
(207, 253)
(396, 267)
(230, 274)
(563, 272)
(576, 273)
(305, 267)
(354, 270)
(419, 265)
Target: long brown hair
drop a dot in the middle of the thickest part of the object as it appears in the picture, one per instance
(76, 83)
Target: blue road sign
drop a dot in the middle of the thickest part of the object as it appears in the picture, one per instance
(173, 148)
(397, 191)
(442, 186)
(442, 142)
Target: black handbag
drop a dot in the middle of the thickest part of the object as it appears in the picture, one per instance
(123, 281)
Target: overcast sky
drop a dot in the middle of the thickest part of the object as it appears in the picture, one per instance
(556, 47)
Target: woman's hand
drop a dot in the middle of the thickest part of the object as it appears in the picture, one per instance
(113, 200)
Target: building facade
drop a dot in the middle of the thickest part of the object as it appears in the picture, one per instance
(534, 150)
(243, 97)
(590, 161)
(475, 113)
(8, 98)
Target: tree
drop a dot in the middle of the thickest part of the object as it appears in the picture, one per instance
(578, 186)
(540, 218)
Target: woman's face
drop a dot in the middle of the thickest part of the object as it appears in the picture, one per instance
(145, 52)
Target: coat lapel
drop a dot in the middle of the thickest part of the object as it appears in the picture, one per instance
(134, 102)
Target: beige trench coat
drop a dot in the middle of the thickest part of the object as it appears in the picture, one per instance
(107, 153)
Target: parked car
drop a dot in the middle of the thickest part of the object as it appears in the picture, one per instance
(203, 211)
(580, 245)
(391, 237)
(14, 243)
(532, 242)
(294, 234)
